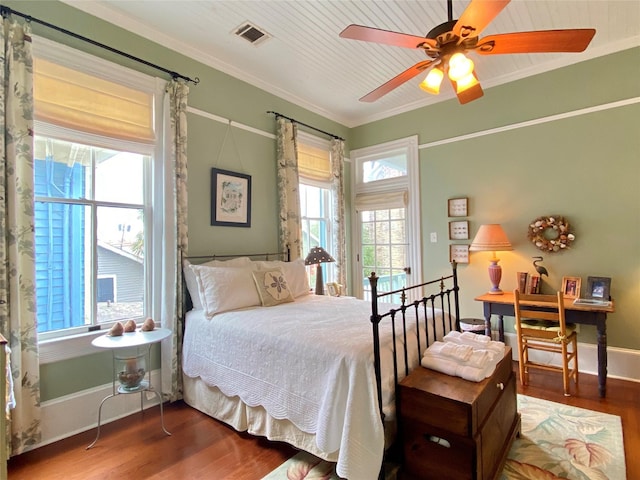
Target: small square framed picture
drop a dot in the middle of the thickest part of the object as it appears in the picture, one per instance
(598, 288)
(457, 207)
(459, 230)
(459, 253)
(571, 287)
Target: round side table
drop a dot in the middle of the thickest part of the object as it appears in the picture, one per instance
(132, 378)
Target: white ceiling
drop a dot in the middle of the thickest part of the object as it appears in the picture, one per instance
(307, 63)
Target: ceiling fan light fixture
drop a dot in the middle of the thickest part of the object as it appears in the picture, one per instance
(459, 66)
(468, 89)
(431, 83)
(466, 82)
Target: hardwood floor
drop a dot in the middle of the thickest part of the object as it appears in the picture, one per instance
(202, 448)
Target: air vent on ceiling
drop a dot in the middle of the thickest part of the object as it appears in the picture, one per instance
(251, 33)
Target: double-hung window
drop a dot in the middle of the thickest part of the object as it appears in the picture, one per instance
(96, 159)
(316, 199)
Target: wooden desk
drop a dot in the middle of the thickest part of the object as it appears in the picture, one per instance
(502, 305)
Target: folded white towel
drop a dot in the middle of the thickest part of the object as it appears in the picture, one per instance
(480, 358)
(475, 340)
(457, 352)
(473, 374)
(440, 364)
(474, 337)
(449, 367)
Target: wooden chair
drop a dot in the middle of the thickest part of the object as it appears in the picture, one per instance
(540, 325)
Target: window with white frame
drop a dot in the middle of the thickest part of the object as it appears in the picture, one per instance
(316, 199)
(96, 158)
(386, 227)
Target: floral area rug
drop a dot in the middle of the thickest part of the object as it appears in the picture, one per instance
(556, 442)
(561, 441)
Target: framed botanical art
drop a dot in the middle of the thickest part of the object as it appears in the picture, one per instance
(459, 253)
(230, 198)
(459, 230)
(457, 207)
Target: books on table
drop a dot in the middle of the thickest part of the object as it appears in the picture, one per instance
(528, 283)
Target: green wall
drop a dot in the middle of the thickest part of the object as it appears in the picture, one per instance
(584, 167)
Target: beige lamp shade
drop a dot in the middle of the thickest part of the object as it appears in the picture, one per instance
(490, 238)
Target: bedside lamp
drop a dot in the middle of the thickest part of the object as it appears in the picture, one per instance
(318, 256)
(491, 238)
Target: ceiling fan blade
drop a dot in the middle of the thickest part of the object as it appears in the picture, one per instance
(396, 81)
(476, 17)
(395, 39)
(541, 41)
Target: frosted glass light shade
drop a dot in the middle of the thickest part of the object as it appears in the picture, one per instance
(432, 81)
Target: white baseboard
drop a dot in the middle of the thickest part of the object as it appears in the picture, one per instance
(622, 363)
(78, 412)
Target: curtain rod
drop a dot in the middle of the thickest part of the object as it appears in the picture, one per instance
(5, 11)
(305, 125)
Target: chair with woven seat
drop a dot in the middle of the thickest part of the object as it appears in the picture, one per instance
(540, 325)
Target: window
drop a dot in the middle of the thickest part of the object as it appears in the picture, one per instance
(316, 199)
(96, 160)
(89, 224)
(387, 229)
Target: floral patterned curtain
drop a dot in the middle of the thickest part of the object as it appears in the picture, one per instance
(18, 321)
(288, 188)
(175, 239)
(339, 230)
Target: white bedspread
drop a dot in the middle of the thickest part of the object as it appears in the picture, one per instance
(310, 361)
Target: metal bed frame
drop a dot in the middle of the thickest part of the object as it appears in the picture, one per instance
(446, 291)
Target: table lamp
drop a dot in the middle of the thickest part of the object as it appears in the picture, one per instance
(491, 238)
(318, 256)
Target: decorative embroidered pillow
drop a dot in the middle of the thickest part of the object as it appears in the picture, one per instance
(295, 272)
(192, 283)
(223, 289)
(272, 287)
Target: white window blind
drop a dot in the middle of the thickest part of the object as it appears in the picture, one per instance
(382, 200)
(314, 163)
(75, 100)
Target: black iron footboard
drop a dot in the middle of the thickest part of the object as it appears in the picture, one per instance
(441, 293)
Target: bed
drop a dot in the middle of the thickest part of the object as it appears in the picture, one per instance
(317, 372)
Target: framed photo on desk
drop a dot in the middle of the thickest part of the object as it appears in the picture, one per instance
(598, 288)
(571, 287)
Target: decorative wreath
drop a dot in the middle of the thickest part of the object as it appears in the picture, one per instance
(551, 234)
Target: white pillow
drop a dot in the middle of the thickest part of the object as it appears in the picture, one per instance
(272, 287)
(190, 276)
(223, 289)
(295, 273)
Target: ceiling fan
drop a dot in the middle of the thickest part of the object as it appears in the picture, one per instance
(447, 43)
